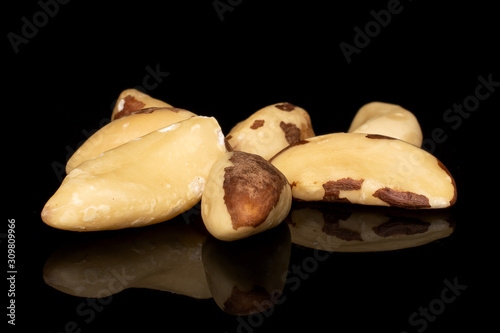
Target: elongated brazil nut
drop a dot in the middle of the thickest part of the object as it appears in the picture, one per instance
(366, 169)
(387, 119)
(144, 181)
(244, 195)
(124, 129)
(271, 129)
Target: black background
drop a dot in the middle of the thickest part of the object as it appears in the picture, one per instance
(62, 84)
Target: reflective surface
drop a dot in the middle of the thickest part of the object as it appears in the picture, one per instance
(365, 229)
(344, 271)
(243, 277)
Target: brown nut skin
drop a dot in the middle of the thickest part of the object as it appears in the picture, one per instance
(271, 129)
(244, 195)
(389, 120)
(131, 100)
(366, 169)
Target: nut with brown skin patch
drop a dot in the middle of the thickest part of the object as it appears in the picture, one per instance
(402, 199)
(292, 132)
(244, 195)
(257, 123)
(131, 100)
(363, 169)
(285, 107)
(333, 188)
(388, 120)
(129, 104)
(271, 129)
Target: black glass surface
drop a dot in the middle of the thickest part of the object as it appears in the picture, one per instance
(327, 267)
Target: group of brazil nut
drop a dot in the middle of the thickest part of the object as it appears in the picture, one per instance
(153, 162)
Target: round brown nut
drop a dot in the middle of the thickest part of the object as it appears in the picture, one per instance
(271, 129)
(131, 100)
(244, 195)
(389, 120)
(124, 129)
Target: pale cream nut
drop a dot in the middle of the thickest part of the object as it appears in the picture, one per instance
(387, 119)
(244, 195)
(367, 169)
(142, 182)
(271, 129)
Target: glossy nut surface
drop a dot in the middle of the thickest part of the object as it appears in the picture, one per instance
(144, 181)
(271, 129)
(124, 129)
(244, 195)
(387, 119)
(366, 169)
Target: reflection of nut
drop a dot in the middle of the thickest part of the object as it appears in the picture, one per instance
(131, 100)
(119, 131)
(248, 276)
(144, 181)
(244, 195)
(366, 169)
(271, 129)
(388, 120)
(164, 257)
(365, 229)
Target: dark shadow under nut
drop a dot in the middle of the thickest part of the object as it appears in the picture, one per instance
(252, 188)
(379, 137)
